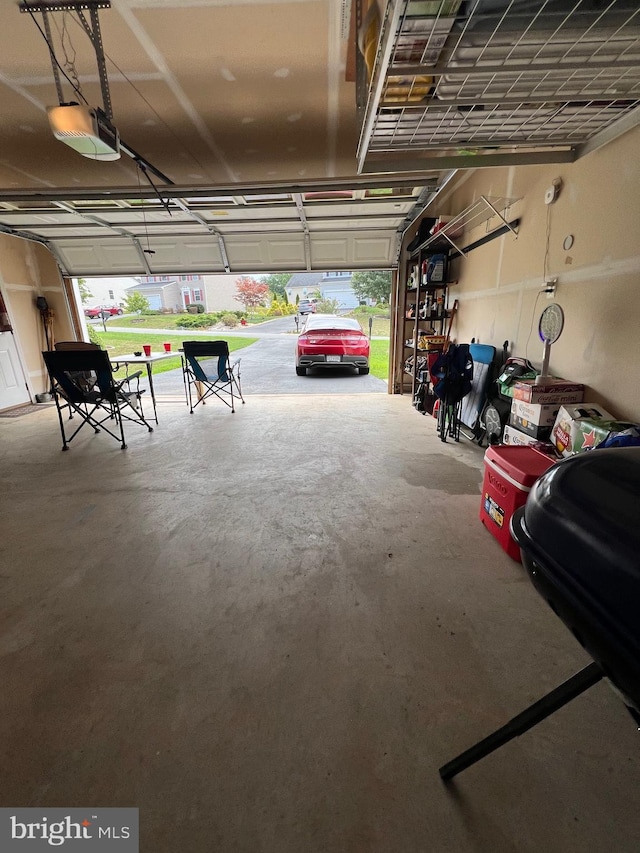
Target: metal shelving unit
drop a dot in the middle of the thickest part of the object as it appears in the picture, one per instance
(447, 240)
(499, 78)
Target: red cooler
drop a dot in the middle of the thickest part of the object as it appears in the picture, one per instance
(509, 474)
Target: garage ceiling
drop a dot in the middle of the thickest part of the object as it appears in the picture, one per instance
(268, 144)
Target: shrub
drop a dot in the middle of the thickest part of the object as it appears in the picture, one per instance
(94, 337)
(199, 306)
(230, 320)
(327, 306)
(195, 321)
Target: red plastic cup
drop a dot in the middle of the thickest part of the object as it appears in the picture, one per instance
(167, 347)
(147, 349)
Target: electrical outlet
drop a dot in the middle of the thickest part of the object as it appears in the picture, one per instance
(550, 287)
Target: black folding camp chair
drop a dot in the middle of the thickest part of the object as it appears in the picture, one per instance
(206, 365)
(83, 383)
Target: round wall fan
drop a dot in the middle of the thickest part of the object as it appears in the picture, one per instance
(549, 328)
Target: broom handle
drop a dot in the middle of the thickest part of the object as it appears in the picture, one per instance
(454, 311)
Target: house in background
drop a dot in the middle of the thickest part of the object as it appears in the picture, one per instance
(220, 292)
(107, 291)
(171, 292)
(330, 285)
(177, 292)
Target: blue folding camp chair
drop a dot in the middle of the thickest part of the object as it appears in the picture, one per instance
(206, 365)
(82, 382)
(483, 357)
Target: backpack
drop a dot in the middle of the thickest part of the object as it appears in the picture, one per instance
(453, 373)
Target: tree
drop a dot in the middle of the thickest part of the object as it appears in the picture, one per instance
(136, 303)
(372, 284)
(85, 293)
(250, 291)
(277, 283)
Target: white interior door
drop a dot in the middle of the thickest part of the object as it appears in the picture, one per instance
(13, 389)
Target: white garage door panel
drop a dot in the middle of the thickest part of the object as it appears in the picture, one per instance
(329, 251)
(245, 253)
(78, 258)
(119, 256)
(288, 253)
(264, 252)
(373, 250)
(93, 258)
(232, 230)
(185, 255)
(72, 233)
(350, 225)
(393, 209)
(352, 251)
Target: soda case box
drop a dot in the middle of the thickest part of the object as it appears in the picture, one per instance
(552, 391)
(580, 428)
(536, 419)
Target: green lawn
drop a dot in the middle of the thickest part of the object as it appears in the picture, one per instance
(379, 359)
(121, 343)
(154, 321)
(380, 327)
(159, 321)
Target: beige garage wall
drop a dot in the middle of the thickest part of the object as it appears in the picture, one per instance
(29, 270)
(499, 284)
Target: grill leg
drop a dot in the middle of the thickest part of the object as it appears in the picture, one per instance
(524, 721)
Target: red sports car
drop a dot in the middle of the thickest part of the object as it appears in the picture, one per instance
(99, 310)
(327, 340)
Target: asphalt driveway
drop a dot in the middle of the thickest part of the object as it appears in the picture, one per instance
(268, 367)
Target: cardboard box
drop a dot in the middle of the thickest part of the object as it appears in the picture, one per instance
(579, 428)
(554, 391)
(535, 419)
(511, 435)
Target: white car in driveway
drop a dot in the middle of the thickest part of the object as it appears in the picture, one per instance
(306, 306)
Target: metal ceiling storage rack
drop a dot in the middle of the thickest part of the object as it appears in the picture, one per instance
(479, 212)
(487, 82)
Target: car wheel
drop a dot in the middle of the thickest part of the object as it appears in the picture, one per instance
(363, 371)
(301, 371)
(120, 311)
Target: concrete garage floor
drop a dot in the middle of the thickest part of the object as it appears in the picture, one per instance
(268, 630)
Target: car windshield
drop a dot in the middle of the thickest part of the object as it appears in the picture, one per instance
(330, 321)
